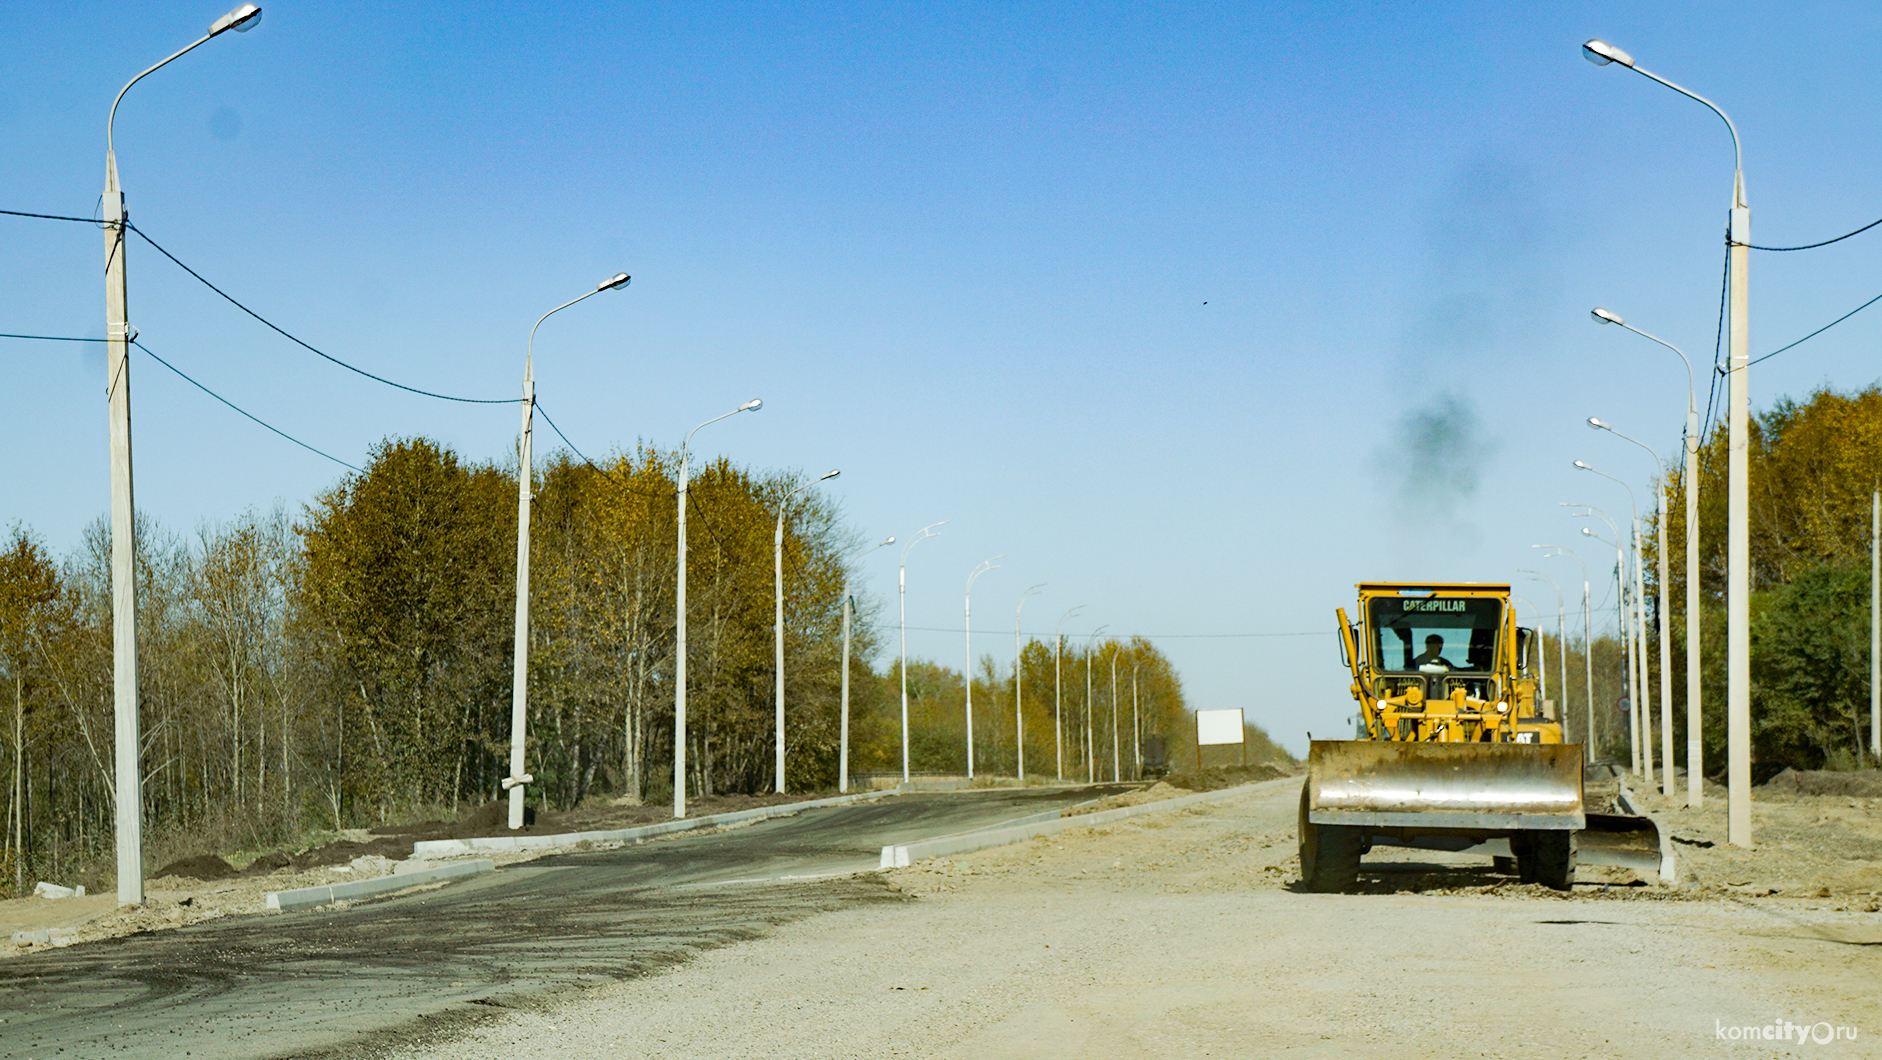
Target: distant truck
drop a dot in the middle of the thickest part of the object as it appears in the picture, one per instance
(1156, 752)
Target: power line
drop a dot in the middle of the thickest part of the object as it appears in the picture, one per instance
(186, 378)
(1819, 331)
(291, 338)
(50, 216)
(1825, 243)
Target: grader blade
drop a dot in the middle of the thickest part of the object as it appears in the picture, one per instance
(1389, 783)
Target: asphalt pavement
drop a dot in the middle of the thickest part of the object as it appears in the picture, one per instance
(348, 982)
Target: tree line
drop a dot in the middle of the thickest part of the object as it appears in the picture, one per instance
(1814, 466)
(351, 663)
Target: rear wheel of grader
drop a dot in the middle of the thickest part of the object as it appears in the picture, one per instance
(1329, 853)
(1547, 858)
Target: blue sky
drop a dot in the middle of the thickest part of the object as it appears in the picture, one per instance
(1137, 294)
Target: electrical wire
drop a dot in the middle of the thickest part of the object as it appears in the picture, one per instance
(186, 378)
(1819, 331)
(50, 216)
(291, 338)
(1825, 243)
(239, 409)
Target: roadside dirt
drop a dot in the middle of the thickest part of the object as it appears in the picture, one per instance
(1184, 934)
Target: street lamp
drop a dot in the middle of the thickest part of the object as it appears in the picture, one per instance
(1666, 621)
(1561, 634)
(1137, 730)
(1629, 689)
(118, 335)
(967, 629)
(901, 581)
(1738, 494)
(679, 612)
(843, 742)
(1058, 694)
(1542, 667)
(1019, 681)
(777, 567)
(1695, 753)
(525, 490)
(1091, 748)
(1117, 760)
(1587, 644)
(1642, 700)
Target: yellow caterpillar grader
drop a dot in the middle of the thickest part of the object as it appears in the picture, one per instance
(1452, 749)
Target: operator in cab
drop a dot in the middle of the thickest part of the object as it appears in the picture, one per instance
(1434, 655)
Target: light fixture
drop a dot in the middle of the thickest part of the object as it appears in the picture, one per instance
(614, 282)
(832, 473)
(1601, 53)
(750, 406)
(241, 20)
(1602, 316)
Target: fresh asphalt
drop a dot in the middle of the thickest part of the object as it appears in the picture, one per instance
(351, 982)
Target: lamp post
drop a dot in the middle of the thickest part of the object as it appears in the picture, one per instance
(118, 335)
(1117, 760)
(1587, 644)
(843, 741)
(1695, 751)
(901, 582)
(967, 630)
(1137, 729)
(1561, 634)
(525, 490)
(1058, 694)
(1019, 681)
(777, 568)
(1621, 607)
(1643, 692)
(679, 614)
(1737, 475)
(1666, 621)
(1091, 748)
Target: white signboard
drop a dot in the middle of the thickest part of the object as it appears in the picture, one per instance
(1218, 727)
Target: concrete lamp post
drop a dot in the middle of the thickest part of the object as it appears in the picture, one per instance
(679, 613)
(1737, 473)
(843, 740)
(127, 734)
(777, 566)
(901, 589)
(1642, 690)
(1019, 691)
(1091, 732)
(1561, 635)
(1058, 691)
(1663, 610)
(1695, 751)
(967, 629)
(1621, 609)
(1587, 645)
(525, 491)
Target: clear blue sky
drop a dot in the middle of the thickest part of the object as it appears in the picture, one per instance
(1137, 294)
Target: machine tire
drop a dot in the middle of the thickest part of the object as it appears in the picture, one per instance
(1329, 853)
(1547, 858)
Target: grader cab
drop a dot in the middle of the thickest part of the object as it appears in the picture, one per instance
(1452, 748)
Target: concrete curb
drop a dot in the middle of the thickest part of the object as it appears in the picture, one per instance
(444, 848)
(309, 897)
(899, 857)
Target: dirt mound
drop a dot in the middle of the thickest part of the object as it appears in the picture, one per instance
(1216, 778)
(199, 867)
(1154, 793)
(267, 863)
(1862, 783)
(342, 852)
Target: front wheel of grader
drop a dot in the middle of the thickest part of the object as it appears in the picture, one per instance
(1329, 853)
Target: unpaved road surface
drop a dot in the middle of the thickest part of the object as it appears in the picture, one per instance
(337, 982)
(1179, 935)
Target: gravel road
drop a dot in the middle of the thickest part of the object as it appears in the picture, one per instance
(1179, 935)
